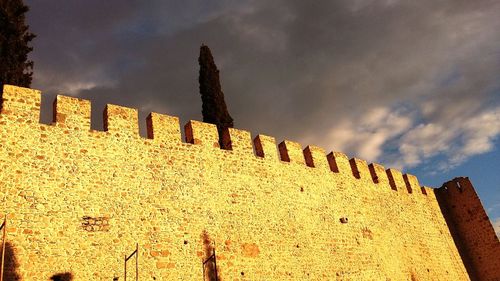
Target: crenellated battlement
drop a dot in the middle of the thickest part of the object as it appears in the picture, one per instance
(73, 114)
(456, 186)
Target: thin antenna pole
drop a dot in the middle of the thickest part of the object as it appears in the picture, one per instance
(203, 265)
(137, 262)
(4, 226)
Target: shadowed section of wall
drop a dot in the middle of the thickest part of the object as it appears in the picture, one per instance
(11, 265)
(471, 229)
(209, 260)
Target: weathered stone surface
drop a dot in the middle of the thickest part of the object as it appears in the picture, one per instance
(79, 200)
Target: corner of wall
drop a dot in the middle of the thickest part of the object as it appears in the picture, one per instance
(471, 228)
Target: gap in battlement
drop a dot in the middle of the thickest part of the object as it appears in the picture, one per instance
(143, 128)
(183, 122)
(253, 146)
(47, 108)
(97, 115)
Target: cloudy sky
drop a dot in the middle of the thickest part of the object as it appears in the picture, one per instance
(409, 84)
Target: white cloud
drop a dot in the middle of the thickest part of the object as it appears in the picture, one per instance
(364, 138)
(458, 141)
(73, 85)
(368, 137)
(423, 141)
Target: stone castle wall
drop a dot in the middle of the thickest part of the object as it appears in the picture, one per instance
(78, 201)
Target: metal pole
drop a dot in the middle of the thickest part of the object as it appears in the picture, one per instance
(3, 246)
(203, 265)
(137, 262)
(125, 265)
(215, 266)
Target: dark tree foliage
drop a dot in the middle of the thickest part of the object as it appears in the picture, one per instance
(15, 68)
(214, 107)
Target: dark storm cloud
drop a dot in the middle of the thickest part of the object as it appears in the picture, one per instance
(378, 79)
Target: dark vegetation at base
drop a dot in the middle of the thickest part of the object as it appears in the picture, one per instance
(11, 264)
(66, 276)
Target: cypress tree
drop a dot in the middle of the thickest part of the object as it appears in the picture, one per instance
(15, 68)
(214, 107)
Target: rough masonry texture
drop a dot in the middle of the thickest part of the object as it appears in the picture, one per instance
(78, 200)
